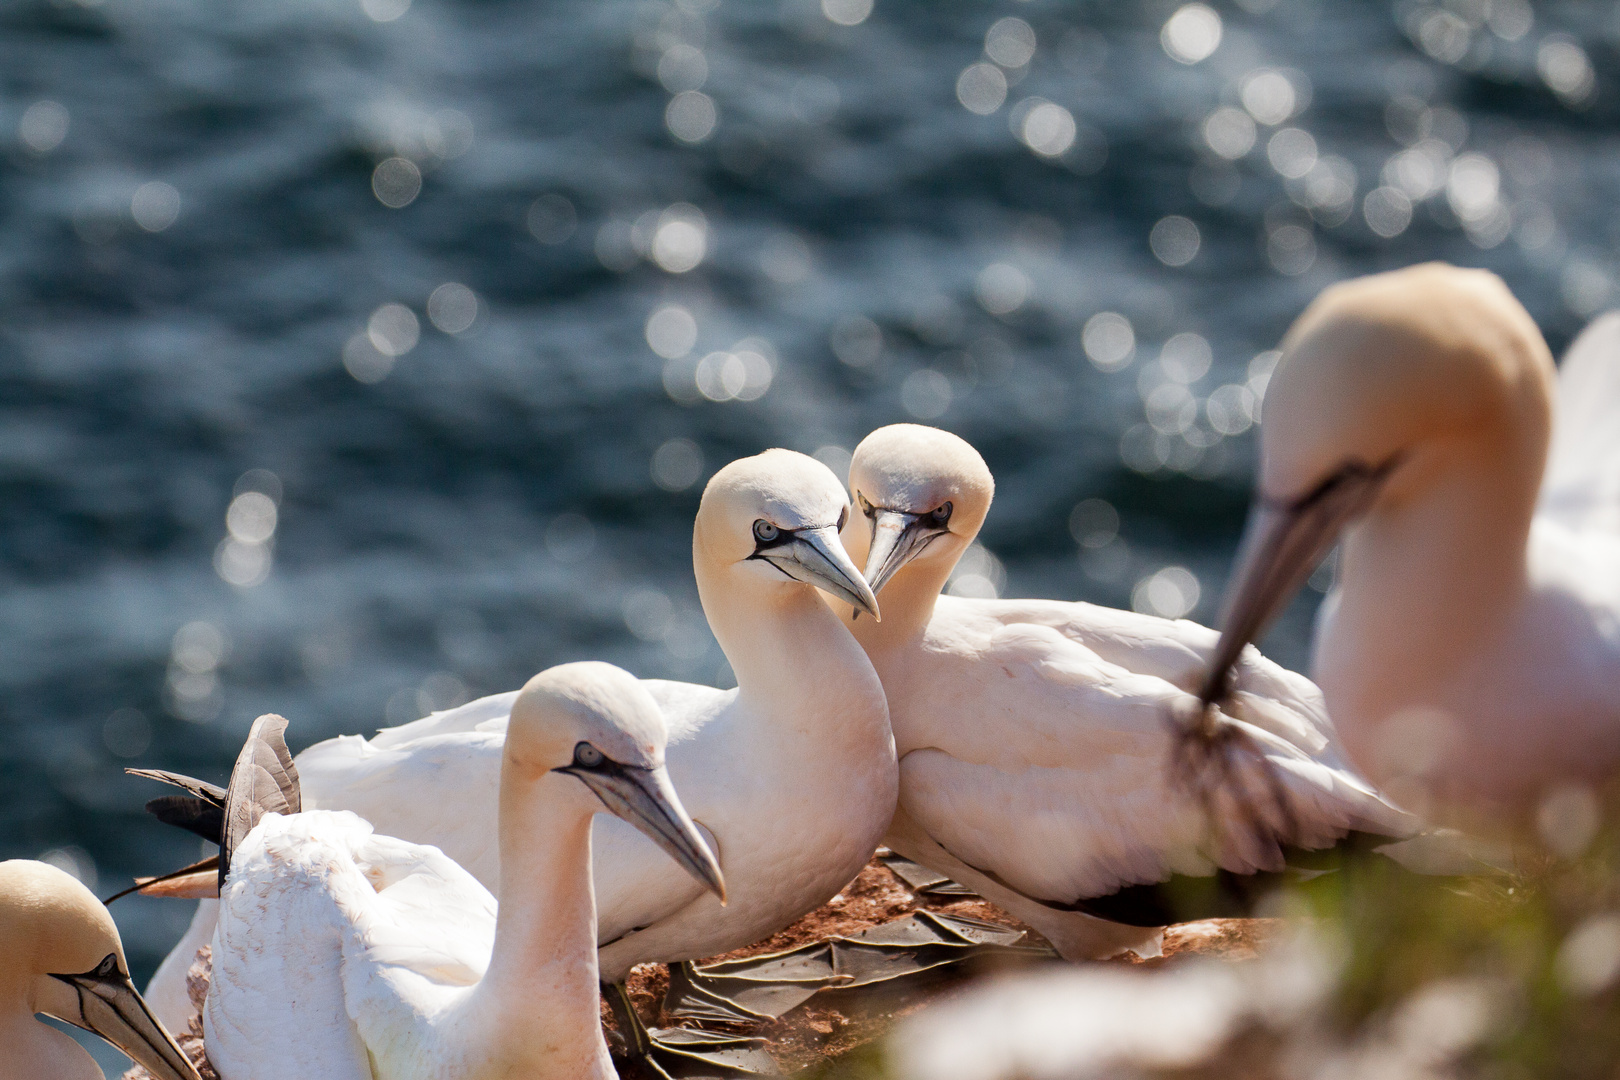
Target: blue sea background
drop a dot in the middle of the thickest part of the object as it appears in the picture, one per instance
(362, 357)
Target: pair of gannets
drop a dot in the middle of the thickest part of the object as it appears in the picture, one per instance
(60, 955)
(791, 775)
(1035, 736)
(1470, 652)
(345, 954)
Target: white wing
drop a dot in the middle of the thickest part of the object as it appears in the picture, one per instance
(484, 714)
(331, 940)
(1048, 768)
(442, 788)
(1178, 651)
(1582, 486)
(275, 1008)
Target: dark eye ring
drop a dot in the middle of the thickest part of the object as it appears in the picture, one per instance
(866, 508)
(587, 756)
(843, 516)
(765, 532)
(940, 514)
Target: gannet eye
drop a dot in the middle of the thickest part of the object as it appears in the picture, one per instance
(765, 532)
(866, 508)
(940, 515)
(587, 756)
(843, 516)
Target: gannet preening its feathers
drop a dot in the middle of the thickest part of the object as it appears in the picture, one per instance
(791, 774)
(348, 955)
(1034, 735)
(60, 955)
(1468, 652)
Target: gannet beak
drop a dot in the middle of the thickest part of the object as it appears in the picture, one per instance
(1282, 543)
(897, 538)
(199, 881)
(646, 799)
(817, 557)
(106, 1002)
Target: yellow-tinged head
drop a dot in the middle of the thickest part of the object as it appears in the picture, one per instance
(772, 521)
(924, 494)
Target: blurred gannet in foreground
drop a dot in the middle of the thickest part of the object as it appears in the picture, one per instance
(348, 955)
(1470, 652)
(60, 955)
(1035, 735)
(792, 774)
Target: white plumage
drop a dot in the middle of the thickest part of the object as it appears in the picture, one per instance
(791, 776)
(1035, 736)
(348, 955)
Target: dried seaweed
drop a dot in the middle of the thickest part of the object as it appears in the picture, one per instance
(764, 987)
(923, 881)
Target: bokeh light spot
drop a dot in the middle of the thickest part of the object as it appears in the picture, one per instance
(43, 126)
(1191, 34)
(1175, 240)
(396, 182)
(1170, 593)
(981, 88)
(846, 12)
(1109, 340)
(453, 307)
(676, 465)
(671, 331)
(155, 206)
(691, 116)
(1010, 42)
(552, 218)
(857, 341)
(393, 329)
(926, 394)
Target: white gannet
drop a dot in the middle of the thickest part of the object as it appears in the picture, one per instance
(1035, 735)
(348, 955)
(1470, 651)
(60, 955)
(791, 774)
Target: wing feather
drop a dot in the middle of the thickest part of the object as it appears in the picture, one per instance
(1072, 795)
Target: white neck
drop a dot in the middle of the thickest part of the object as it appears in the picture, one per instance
(1427, 585)
(795, 666)
(536, 1012)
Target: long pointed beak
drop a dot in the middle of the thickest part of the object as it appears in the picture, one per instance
(897, 538)
(1282, 543)
(107, 1003)
(646, 799)
(817, 557)
(199, 881)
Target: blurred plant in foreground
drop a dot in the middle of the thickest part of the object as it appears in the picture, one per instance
(1376, 973)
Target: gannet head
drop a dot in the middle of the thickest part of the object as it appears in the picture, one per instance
(60, 947)
(1385, 383)
(924, 494)
(597, 723)
(776, 517)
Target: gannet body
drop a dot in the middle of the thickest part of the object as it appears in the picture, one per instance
(348, 955)
(60, 955)
(1035, 735)
(791, 775)
(1470, 651)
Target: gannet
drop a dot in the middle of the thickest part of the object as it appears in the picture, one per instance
(345, 954)
(1470, 651)
(792, 774)
(1034, 735)
(60, 955)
